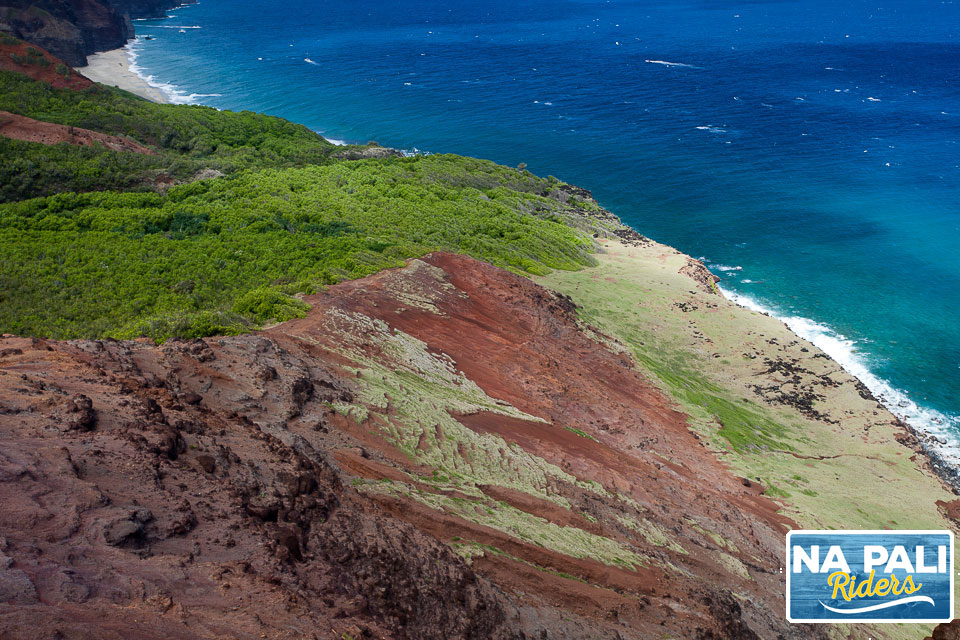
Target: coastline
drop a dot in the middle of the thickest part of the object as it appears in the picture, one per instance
(815, 436)
(113, 68)
(932, 430)
(744, 393)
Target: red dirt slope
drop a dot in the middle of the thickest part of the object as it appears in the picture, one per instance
(30, 130)
(38, 64)
(232, 487)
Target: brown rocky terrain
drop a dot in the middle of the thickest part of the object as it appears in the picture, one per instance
(73, 29)
(30, 130)
(69, 29)
(38, 64)
(439, 451)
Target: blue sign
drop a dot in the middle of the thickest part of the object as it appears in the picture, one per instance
(869, 576)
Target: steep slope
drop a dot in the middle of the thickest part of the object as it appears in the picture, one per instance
(30, 130)
(69, 29)
(73, 29)
(438, 451)
(38, 64)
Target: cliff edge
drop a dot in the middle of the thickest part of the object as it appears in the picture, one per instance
(73, 29)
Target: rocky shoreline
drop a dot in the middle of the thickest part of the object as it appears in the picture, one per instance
(74, 29)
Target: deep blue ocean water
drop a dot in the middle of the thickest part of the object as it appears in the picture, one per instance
(808, 150)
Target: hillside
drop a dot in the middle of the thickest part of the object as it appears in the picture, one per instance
(253, 385)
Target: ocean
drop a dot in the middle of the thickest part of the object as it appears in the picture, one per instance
(808, 151)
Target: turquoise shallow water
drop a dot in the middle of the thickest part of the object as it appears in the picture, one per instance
(808, 153)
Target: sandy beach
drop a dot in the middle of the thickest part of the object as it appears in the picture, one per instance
(113, 68)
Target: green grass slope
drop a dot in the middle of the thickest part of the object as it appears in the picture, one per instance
(223, 255)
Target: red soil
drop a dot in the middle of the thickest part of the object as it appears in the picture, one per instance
(53, 71)
(204, 489)
(30, 130)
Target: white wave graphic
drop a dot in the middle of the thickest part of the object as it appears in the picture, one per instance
(943, 430)
(878, 607)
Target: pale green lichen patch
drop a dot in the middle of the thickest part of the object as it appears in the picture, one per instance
(652, 533)
(734, 566)
(523, 526)
(467, 551)
(713, 536)
(416, 392)
(422, 287)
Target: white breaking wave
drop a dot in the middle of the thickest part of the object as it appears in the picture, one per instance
(712, 129)
(171, 91)
(723, 267)
(944, 429)
(672, 64)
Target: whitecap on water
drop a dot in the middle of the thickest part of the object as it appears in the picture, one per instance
(672, 64)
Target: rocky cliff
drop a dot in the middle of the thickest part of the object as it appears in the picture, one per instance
(73, 29)
(439, 451)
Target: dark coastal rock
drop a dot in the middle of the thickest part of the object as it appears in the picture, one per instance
(73, 29)
(698, 272)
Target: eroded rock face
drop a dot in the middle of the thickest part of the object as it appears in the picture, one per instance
(73, 29)
(69, 29)
(438, 451)
(37, 63)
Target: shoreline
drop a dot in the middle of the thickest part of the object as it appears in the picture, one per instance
(932, 429)
(114, 68)
(939, 445)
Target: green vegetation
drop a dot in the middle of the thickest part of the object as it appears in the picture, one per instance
(283, 215)
(189, 139)
(581, 433)
(742, 422)
(216, 256)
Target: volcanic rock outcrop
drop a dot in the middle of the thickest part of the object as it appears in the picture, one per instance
(73, 29)
(437, 451)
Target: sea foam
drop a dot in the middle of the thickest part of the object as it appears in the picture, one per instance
(943, 444)
(173, 94)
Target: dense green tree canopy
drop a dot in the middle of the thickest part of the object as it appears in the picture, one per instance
(105, 253)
